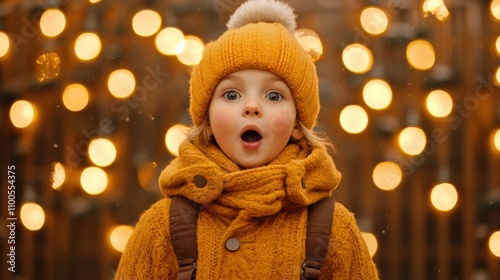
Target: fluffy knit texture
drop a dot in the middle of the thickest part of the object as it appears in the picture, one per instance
(265, 208)
(263, 11)
(262, 45)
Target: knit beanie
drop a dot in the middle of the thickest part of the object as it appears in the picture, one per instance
(260, 36)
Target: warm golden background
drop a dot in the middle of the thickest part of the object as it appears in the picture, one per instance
(92, 96)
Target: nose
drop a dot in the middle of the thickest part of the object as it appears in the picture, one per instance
(252, 109)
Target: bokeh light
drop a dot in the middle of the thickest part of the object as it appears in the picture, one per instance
(444, 197)
(47, 67)
(374, 20)
(173, 138)
(496, 140)
(192, 52)
(494, 243)
(170, 41)
(357, 58)
(377, 94)
(4, 44)
(102, 152)
(32, 216)
(22, 113)
(146, 23)
(497, 45)
(75, 97)
(439, 103)
(58, 176)
(437, 8)
(420, 54)
(497, 77)
(387, 175)
(353, 119)
(495, 8)
(121, 83)
(52, 22)
(371, 242)
(412, 140)
(87, 46)
(93, 180)
(310, 41)
(119, 236)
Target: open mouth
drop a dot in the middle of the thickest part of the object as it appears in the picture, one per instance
(251, 136)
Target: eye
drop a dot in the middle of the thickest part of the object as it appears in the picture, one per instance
(274, 96)
(231, 95)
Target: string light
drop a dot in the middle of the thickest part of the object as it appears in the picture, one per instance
(497, 45)
(52, 22)
(119, 236)
(93, 180)
(310, 41)
(357, 58)
(437, 8)
(377, 94)
(353, 119)
(170, 41)
(420, 54)
(87, 46)
(75, 97)
(47, 67)
(4, 44)
(371, 242)
(444, 197)
(22, 113)
(146, 23)
(374, 20)
(58, 176)
(439, 103)
(192, 52)
(173, 138)
(497, 77)
(121, 83)
(494, 243)
(102, 152)
(387, 175)
(495, 8)
(32, 216)
(412, 140)
(496, 140)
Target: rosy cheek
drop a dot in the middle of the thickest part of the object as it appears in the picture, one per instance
(281, 121)
(221, 121)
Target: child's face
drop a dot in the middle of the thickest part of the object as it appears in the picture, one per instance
(252, 117)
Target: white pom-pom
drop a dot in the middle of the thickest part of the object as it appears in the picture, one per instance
(263, 11)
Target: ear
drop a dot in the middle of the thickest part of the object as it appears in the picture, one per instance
(297, 133)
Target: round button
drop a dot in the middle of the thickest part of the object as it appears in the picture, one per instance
(199, 181)
(232, 244)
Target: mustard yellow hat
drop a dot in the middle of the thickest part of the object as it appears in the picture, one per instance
(260, 36)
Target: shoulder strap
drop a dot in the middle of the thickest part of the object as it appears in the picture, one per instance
(183, 221)
(318, 236)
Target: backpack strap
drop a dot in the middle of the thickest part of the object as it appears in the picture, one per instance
(183, 221)
(319, 227)
(184, 218)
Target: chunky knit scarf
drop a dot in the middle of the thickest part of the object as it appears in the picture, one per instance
(296, 178)
(237, 202)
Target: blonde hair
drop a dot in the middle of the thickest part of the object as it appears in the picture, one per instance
(203, 135)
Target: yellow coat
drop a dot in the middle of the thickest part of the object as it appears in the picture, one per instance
(263, 209)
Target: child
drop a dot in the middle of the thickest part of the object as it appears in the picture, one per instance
(252, 162)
